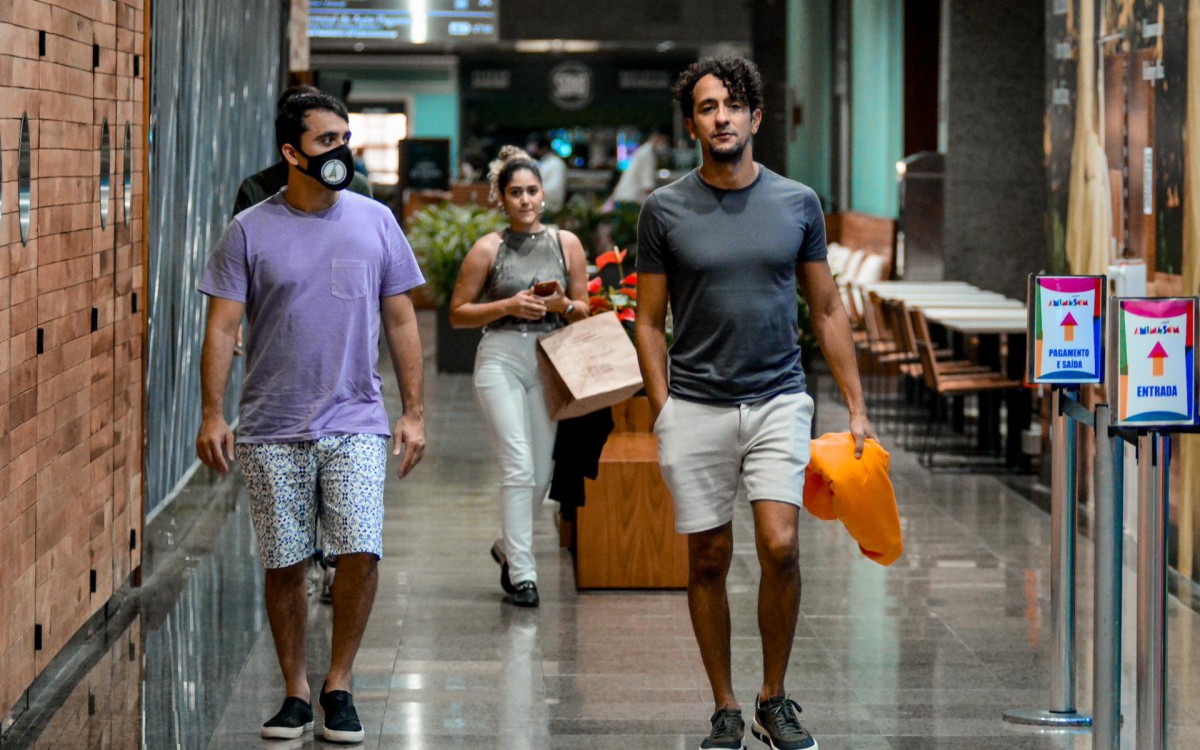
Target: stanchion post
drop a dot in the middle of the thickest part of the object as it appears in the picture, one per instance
(1062, 713)
(1062, 558)
(1106, 641)
(1154, 467)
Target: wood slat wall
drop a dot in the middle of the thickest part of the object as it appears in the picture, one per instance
(70, 415)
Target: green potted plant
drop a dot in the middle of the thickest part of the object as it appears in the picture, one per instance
(441, 236)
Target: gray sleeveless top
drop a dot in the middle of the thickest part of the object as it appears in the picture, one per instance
(522, 260)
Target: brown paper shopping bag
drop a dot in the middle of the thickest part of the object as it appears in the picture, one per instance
(587, 366)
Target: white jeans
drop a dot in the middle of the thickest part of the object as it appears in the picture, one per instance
(508, 388)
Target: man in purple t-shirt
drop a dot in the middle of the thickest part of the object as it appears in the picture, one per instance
(316, 270)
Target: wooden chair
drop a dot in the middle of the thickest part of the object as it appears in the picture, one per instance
(877, 353)
(946, 384)
(912, 375)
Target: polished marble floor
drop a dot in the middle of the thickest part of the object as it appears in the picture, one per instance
(926, 654)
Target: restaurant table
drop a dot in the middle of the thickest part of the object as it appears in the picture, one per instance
(946, 298)
(916, 284)
(948, 306)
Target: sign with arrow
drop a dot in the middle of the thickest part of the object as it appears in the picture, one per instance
(1155, 375)
(1066, 329)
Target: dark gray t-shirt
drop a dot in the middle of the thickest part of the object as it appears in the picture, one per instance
(730, 258)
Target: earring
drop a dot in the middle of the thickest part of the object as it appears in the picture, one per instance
(543, 205)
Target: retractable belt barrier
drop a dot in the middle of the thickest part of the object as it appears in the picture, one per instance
(1152, 386)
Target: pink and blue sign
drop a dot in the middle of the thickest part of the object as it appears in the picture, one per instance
(1155, 365)
(1066, 329)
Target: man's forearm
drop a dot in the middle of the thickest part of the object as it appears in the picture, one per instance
(215, 359)
(837, 343)
(651, 344)
(404, 343)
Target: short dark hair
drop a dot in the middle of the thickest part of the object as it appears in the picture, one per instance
(289, 120)
(738, 74)
(291, 91)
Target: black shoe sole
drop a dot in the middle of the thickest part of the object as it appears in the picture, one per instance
(343, 737)
(285, 733)
(757, 730)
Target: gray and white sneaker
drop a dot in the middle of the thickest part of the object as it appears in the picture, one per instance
(777, 723)
(728, 727)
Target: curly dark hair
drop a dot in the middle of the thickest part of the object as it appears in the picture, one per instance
(738, 74)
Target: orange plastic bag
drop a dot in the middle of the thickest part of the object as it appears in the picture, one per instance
(857, 492)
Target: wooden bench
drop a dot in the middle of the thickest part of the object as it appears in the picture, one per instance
(625, 534)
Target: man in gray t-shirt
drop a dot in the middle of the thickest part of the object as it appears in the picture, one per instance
(726, 246)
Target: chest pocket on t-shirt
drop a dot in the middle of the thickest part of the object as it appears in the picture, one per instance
(349, 279)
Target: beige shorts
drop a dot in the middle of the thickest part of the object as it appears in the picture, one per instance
(708, 452)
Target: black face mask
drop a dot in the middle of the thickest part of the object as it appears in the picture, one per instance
(334, 169)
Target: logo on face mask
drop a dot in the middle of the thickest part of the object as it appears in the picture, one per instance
(334, 169)
(333, 172)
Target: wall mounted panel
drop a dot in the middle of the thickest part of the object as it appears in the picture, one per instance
(70, 336)
(213, 97)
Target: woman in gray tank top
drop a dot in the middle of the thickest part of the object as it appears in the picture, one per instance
(517, 284)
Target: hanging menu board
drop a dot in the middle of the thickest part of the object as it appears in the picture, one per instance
(1066, 329)
(403, 22)
(1154, 366)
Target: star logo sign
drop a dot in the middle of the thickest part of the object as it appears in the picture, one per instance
(333, 172)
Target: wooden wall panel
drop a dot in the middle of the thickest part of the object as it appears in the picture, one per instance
(19, 77)
(67, 170)
(71, 385)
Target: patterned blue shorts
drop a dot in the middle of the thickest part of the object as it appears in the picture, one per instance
(339, 476)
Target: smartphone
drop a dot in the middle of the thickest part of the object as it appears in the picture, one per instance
(545, 288)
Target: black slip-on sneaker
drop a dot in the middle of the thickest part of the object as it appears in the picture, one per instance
(292, 721)
(341, 720)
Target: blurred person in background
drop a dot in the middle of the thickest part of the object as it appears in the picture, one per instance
(553, 169)
(641, 177)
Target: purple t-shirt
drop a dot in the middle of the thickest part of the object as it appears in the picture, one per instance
(312, 285)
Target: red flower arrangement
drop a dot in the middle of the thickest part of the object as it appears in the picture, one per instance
(622, 299)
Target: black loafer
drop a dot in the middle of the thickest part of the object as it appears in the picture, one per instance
(526, 594)
(341, 720)
(505, 582)
(292, 721)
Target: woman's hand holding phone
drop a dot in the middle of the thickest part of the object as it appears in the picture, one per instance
(527, 305)
(552, 293)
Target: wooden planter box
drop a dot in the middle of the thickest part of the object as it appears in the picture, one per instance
(625, 533)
